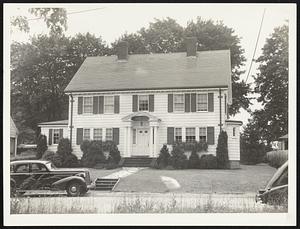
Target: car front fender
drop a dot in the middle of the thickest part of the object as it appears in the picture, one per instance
(61, 184)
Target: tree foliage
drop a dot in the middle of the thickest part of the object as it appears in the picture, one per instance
(272, 86)
(41, 145)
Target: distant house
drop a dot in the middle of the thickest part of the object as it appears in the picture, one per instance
(283, 142)
(13, 138)
(143, 101)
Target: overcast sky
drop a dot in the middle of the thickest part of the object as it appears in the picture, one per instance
(110, 21)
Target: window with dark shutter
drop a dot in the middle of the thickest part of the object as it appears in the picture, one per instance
(210, 135)
(116, 133)
(193, 102)
(151, 103)
(134, 103)
(80, 105)
(187, 102)
(170, 103)
(50, 136)
(170, 137)
(101, 104)
(61, 133)
(117, 104)
(79, 138)
(210, 102)
(95, 105)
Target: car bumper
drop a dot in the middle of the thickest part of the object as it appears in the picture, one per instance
(91, 186)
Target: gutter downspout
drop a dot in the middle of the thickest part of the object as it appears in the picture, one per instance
(220, 102)
(71, 119)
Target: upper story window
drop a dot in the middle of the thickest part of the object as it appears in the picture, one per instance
(202, 104)
(108, 104)
(86, 134)
(109, 134)
(143, 102)
(202, 134)
(190, 135)
(178, 134)
(87, 104)
(55, 136)
(98, 134)
(178, 102)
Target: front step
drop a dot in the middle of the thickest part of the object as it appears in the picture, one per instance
(106, 184)
(137, 161)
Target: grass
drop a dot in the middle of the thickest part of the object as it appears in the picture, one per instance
(141, 204)
(249, 178)
(98, 173)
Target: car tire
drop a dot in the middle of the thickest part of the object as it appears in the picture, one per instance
(73, 189)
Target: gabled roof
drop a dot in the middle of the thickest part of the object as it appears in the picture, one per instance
(210, 69)
(54, 123)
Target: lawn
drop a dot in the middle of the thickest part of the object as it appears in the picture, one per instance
(247, 179)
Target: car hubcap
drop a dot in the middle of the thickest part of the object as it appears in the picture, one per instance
(73, 189)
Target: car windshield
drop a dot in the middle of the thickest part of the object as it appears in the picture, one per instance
(50, 165)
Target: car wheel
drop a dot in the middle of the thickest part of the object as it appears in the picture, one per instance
(73, 189)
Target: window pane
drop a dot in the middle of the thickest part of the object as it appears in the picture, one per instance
(190, 135)
(108, 104)
(55, 136)
(98, 134)
(202, 134)
(178, 134)
(109, 134)
(87, 104)
(22, 168)
(178, 102)
(134, 136)
(202, 102)
(86, 134)
(143, 102)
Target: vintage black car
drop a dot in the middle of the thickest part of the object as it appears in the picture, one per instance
(276, 190)
(43, 175)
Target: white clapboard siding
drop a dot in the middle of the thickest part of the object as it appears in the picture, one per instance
(45, 131)
(233, 143)
(191, 119)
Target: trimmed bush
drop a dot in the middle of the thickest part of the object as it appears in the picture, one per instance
(178, 159)
(64, 147)
(41, 146)
(194, 160)
(63, 156)
(71, 161)
(58, 160)
(208, 161)
(222, 150)
(114, 154)
(48, 156)
(277, 158)
(164, 157)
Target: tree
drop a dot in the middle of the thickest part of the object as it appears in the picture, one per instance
(222, 150)
(40, 71)
(271, 83)
(41, 146)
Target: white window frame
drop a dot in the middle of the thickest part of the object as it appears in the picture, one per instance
(139, 102)
(179, 111)
(83, 105)
(206, 102)
(53, 132)
(205, 133)
(176, 135)
(187, 132)
(101, 131)
(112, 137)
(105, 104)
(83, 135)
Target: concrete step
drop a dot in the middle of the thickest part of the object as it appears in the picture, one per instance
(106, 184)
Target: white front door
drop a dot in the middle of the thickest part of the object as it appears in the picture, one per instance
(140, 146)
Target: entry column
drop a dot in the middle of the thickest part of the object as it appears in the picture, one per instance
(151, 154)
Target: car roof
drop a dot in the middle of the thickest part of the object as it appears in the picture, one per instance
(28, 162)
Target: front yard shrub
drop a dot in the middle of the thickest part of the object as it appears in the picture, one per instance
(64, 146)
(63, 156)
(70, 161)
(41, 146)
(194, 160)
(277, 158)
(164, 157)
(114, 154)
(208, 161)
(222, 150)
(178, 159)
(48, 156)
(57, 160)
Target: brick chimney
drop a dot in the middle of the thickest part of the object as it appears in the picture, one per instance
(122, 50)
(191, 46)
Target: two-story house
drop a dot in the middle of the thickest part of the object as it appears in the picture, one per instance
(143, 101)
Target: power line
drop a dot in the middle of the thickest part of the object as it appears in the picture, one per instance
(77, 12)
(262, 19)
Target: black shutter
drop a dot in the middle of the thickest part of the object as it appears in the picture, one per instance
(210, 102)
(117, 104)
(61, 133)
(210, 135)
(116, 132)
(80, 105)
(101, 104)
(50, 137)
(151, 103)
(134, 103)
(193, 102)
(170, 137)
(95, 105)
(170, 102)
(187, 102)
(79, 139)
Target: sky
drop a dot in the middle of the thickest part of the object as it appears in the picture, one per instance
(110, 21)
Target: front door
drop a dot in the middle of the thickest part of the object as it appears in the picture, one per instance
(140, 142)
